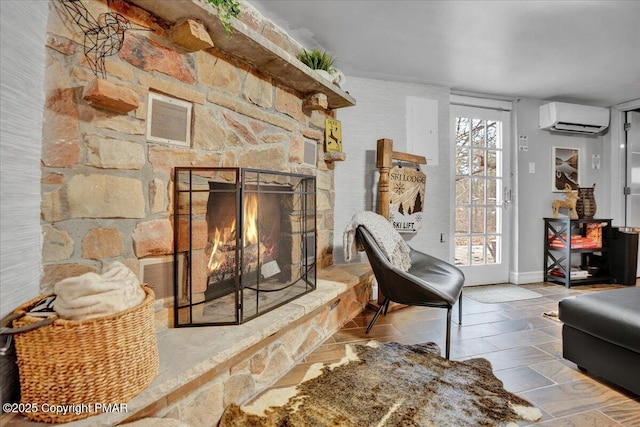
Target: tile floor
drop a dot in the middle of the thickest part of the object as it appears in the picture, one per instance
(524, 348)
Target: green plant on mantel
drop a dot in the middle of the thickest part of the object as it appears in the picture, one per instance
(226, 10)
(317, 60)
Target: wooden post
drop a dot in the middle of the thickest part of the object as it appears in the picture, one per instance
(384, 161)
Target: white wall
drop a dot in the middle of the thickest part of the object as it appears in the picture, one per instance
(22, 64)
(381, 113)
(21, 80)
(534, 191)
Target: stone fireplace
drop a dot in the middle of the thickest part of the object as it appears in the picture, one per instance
(108, 188)
(245, 245)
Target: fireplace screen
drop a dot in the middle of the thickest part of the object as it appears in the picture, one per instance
(245, 243)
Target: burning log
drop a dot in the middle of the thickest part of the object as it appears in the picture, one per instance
(222, 261)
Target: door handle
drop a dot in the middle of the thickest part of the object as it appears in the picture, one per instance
(506, 197)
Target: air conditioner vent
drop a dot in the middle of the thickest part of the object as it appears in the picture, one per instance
(576, 127)
(563, 117)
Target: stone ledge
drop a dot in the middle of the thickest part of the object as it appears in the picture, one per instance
(191, 35)
(251, 47)
(334, 156)
(106, 94)
(192, 357)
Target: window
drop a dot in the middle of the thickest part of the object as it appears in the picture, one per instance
(478, 181)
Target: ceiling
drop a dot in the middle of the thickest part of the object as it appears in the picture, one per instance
(572, 51)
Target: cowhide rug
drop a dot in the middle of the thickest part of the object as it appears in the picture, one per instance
(388, 384)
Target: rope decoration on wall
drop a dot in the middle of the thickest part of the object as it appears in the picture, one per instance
(102, 37)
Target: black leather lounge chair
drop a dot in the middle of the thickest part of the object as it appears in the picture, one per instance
(429, 282)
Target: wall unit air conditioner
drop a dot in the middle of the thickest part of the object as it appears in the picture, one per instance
(564, 117)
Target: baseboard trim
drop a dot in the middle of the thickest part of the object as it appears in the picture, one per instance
(526, 277)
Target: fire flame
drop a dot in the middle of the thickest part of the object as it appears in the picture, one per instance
(224, 239)
(220, 238)
(251, 220)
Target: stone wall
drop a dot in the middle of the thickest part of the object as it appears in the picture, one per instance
(106, 190)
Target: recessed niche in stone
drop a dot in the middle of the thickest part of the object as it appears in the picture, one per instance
(245, 243)
(168, 120)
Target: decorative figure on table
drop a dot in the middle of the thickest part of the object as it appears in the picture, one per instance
(569, 203)
(102, 37)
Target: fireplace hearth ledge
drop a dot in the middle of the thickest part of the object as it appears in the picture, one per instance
(191, 358)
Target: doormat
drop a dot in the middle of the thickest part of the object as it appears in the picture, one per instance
(492, 294)
(388, 384)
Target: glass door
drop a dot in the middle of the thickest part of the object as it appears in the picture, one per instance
(482, 194)
(632, 192)
(632, 187)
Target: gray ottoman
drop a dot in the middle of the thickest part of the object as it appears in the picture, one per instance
(601, 334)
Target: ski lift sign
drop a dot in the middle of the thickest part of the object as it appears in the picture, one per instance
(407, 186)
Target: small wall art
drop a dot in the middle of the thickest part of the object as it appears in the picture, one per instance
(103, 36)
(566, 168)
(333, 135)
(406, 204)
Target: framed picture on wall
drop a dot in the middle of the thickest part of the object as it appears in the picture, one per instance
(566, 168)
(333, 135)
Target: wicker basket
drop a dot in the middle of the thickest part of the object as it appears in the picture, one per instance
(106, 360)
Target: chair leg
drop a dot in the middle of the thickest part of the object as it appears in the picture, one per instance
(460, 310)
(448, 342)
(375, 317)
(386, 306)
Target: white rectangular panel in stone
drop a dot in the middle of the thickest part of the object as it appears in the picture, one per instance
(168, 120)
(310, 153)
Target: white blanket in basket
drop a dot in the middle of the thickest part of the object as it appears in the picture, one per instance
(93, 295)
